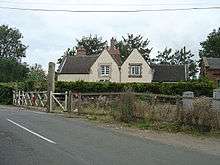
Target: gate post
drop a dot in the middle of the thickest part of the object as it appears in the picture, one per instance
(66, 101)
(51, 85)
(69, 101)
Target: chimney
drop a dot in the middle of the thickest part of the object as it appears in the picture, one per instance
(81, 51)
(114, 52)
(113, 43)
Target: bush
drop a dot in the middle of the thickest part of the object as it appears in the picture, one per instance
(201, 117)
(198, 87)
(6, 94)
(127, 107)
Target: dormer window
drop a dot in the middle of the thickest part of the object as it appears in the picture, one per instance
(105, 70)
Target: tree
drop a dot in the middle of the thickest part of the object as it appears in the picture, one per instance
(131, 42)
(68, 52)
(12, 70)
(184, 57)
(36, 79)
(179, 57)
(164, 57)
(36, 73)
(92, 45)
(211, 46)
(10, 43)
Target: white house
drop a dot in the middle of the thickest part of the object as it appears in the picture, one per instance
(107, 66)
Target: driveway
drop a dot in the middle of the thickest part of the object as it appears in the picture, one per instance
(37, 138)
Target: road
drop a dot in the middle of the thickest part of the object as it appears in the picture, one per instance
(35, 138)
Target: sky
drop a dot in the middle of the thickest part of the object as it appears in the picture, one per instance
(49, 34)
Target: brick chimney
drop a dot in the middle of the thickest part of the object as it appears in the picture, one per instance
(114, 52)
(81, 51)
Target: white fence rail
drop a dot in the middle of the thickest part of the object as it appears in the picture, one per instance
(40, 99)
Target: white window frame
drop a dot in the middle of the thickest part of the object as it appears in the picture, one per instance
(104, 70)
(135, 70)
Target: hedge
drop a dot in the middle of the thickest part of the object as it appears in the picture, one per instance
(198, 87)
(6, 94)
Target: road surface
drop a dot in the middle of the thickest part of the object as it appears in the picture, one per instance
(36, 138)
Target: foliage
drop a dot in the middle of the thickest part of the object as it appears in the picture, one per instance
(92, 45)
(164, 57)
(131, 42)
(179, 57)
(11, 46)
(36, 80)
(12, 71)
(68, 52)
(5, 94)
(201, 117)
(127, 107)
(211, 46)
(199, 87)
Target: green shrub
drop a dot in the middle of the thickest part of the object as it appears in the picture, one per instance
(198, 87)
(6, 94)
(202, 117)
(127, 107)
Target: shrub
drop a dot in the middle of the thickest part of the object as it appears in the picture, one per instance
(198, 87)
(127, 107)
(6, 94)
(202, 117)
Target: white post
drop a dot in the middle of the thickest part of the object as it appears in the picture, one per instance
(19, 98)
(50, 101)
(65, 104)
(51, 84)
(188, 100)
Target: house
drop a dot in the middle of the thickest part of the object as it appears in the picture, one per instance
(107, 66)
(210, 68)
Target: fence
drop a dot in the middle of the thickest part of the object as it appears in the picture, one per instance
(40, 99)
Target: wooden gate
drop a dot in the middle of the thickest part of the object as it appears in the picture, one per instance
(40, 99)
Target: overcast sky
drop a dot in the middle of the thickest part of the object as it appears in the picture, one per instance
(48, 34)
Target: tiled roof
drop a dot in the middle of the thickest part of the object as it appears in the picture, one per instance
(168, 73)
(78, 64)
(212, 63)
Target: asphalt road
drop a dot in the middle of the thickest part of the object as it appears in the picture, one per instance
(34, 138)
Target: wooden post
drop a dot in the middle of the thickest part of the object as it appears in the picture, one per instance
(51, 85)
(69, 102)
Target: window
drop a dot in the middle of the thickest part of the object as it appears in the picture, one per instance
(105, 70)
(135, 70)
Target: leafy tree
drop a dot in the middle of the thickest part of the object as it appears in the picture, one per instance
(179, 57)
(10, 43)
(68, 52)
(92, 45)
(36, 79)
(211, 46)
(184, 57)
(36, 73)
(12, 70)
(131, 42)
(164, 57)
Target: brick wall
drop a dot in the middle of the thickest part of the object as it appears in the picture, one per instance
(214, 75)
